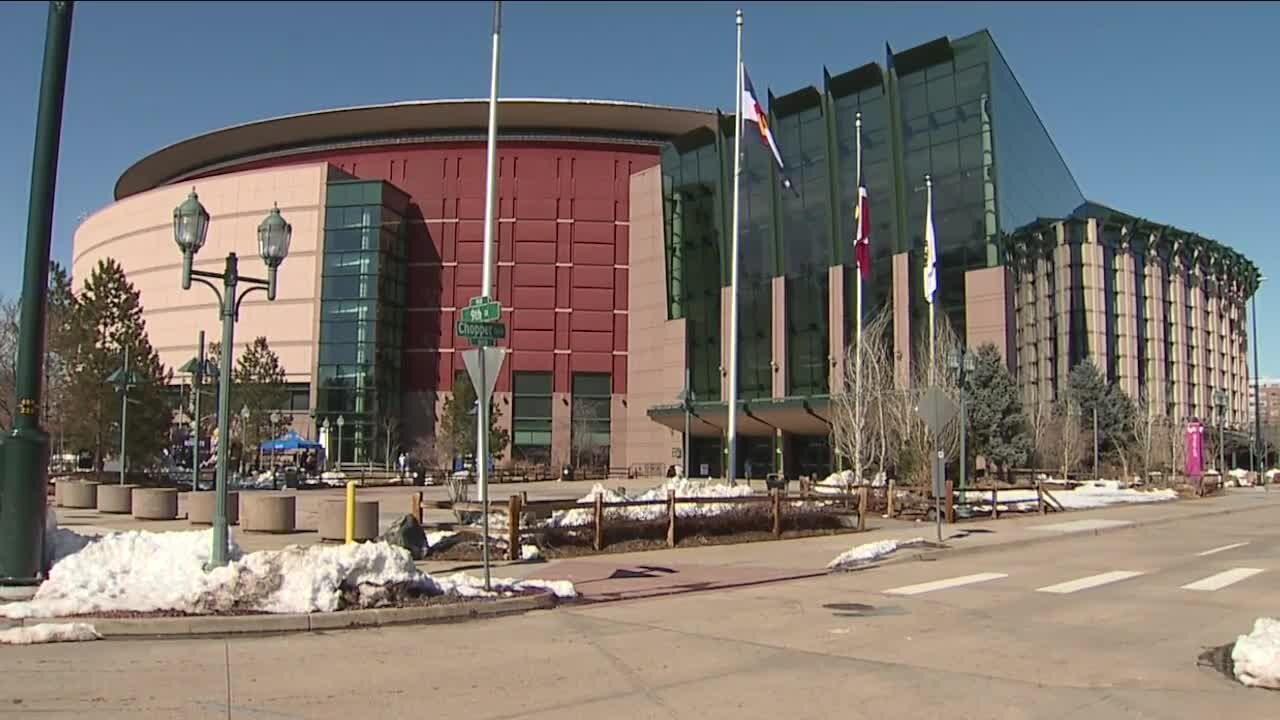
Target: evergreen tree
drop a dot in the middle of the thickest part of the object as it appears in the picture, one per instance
(63, 335)
(109, 316)
(1088, 390)
(458, 423)
(258, 383)
(998, 427)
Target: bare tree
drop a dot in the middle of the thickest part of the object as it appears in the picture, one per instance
(586, 445)
(8, 360)
(860, 428)
(1040, 423)
(389, 427)
(1145, 431)
(1065, 440)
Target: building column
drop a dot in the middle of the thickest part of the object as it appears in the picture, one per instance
(838, 309)
(902, 318)
(561, 429)
(1127, 309)
(1178, 324)
(1157, 377)
(779, 328)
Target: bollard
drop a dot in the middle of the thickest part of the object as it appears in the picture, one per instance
(415, 506)
(351, 512)
(513, 527)
(863, 501)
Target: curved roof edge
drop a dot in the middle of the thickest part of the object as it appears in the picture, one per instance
(301, 131)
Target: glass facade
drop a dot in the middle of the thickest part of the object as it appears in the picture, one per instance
(531, 417)
(361, 313)
(592, 402)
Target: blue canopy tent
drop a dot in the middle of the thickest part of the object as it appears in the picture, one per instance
(289, 442)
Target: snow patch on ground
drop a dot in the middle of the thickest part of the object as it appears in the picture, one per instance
(870, 552)
(1090, 495)
(143, 571)
(465, 585)
(49, 633)
(683, 488)
(1256, 656)
(532, 553)
(840, 482)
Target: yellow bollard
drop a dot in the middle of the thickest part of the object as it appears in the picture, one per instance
(351, 511)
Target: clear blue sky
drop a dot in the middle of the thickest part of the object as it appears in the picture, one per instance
(1163, 110)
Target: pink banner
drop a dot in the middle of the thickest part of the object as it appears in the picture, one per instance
(1195, 449)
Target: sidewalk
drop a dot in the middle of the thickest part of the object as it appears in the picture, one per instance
(680, 570)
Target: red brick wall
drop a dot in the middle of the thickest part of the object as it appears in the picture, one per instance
(562, 246)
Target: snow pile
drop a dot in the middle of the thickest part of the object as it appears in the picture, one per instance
(531, 553)
(333, 478)
(1098, 494)
(58, 542)
(682, 487)
(837, 483)
(870, 552)
(49, 633)
(464, 585)
(1256, 656)
(145, 572)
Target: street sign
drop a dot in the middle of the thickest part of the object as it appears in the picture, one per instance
(481, 330)
(937, 410)
(939, 473)
(482, 310)
(483, 375)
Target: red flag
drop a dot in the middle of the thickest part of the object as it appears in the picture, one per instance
(862, 243)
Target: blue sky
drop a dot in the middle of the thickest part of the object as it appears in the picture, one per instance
(1165, 110)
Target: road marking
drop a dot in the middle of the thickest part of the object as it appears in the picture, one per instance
(1092, 581)
(1217, 550)
(1082, 525)
(1222, 579)
(944, 584)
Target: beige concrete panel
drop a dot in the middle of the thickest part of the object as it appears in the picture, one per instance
(561, 429)
(778, 308)
(656, 357)
(137, 232)
(838, 306)
(902, 317)
(988, 309)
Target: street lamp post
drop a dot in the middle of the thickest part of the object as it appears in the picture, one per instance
(1261, 450)
(190, 229)
(324, 442)
(962, 362)
(244, 435)
(123, 379)
(341, 421)
(1095, 443)
(24, 450)
(686, 398)
(1220, 405)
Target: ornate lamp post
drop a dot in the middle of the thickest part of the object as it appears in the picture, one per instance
(190, 229)
(338, 457)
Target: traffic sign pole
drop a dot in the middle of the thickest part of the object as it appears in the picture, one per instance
(482, 457)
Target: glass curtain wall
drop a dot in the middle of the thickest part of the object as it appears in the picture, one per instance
(361, 315)
(592, 401)
(531, 417)
(756, 267)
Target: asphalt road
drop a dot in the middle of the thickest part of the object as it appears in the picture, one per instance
(1086, 626)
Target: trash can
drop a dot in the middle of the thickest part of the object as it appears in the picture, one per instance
(291, 478)
(775, 481)
(566, 472)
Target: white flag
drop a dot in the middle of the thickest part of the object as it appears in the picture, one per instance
(930, 249)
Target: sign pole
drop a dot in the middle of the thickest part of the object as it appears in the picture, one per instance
(482, 460)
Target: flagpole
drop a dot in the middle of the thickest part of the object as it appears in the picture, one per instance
(732, 432)
(857, 275)
(928, 205)
(486, 283)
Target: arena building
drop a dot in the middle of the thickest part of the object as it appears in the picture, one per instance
(612, 260)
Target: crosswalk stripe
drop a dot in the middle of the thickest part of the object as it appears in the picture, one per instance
(922, 588)
(1092, 581)
(1222, 579)
(1217, 550)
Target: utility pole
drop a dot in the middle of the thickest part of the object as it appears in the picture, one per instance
(24, 451)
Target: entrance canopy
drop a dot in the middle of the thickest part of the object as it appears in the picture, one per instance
(289, 442)
(807, 415)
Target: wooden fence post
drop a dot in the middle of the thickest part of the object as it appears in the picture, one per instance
(1040, 497)
(995, 513)
(513, 527)
(415, 506)
(671, 518)
(598, 541)
(889, 500)
(862, 508)
(524, 498)
(776, 500)
(950, 501)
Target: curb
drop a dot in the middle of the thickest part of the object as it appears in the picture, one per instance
(199, 626)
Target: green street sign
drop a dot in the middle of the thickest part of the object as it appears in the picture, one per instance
(482, 310)
(481, 330)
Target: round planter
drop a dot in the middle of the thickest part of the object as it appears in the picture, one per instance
(269, 513)
(116, 499)
(333, 520)
(155, 503)
(79, 494)
(200, 507)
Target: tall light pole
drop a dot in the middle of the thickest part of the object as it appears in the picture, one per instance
(244, 434)
(338, 461)
(1257, 388)
(962, 363)
(24, 451)
(686, 398)
(1095, 444)
(190, 229)
(324, 442)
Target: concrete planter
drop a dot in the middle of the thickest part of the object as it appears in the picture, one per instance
(79, 494)
(155, 503)
(333, 520)
(269, 513)
(116, 499)
(200, 507)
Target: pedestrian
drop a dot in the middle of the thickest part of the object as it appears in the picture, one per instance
(403, 464)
